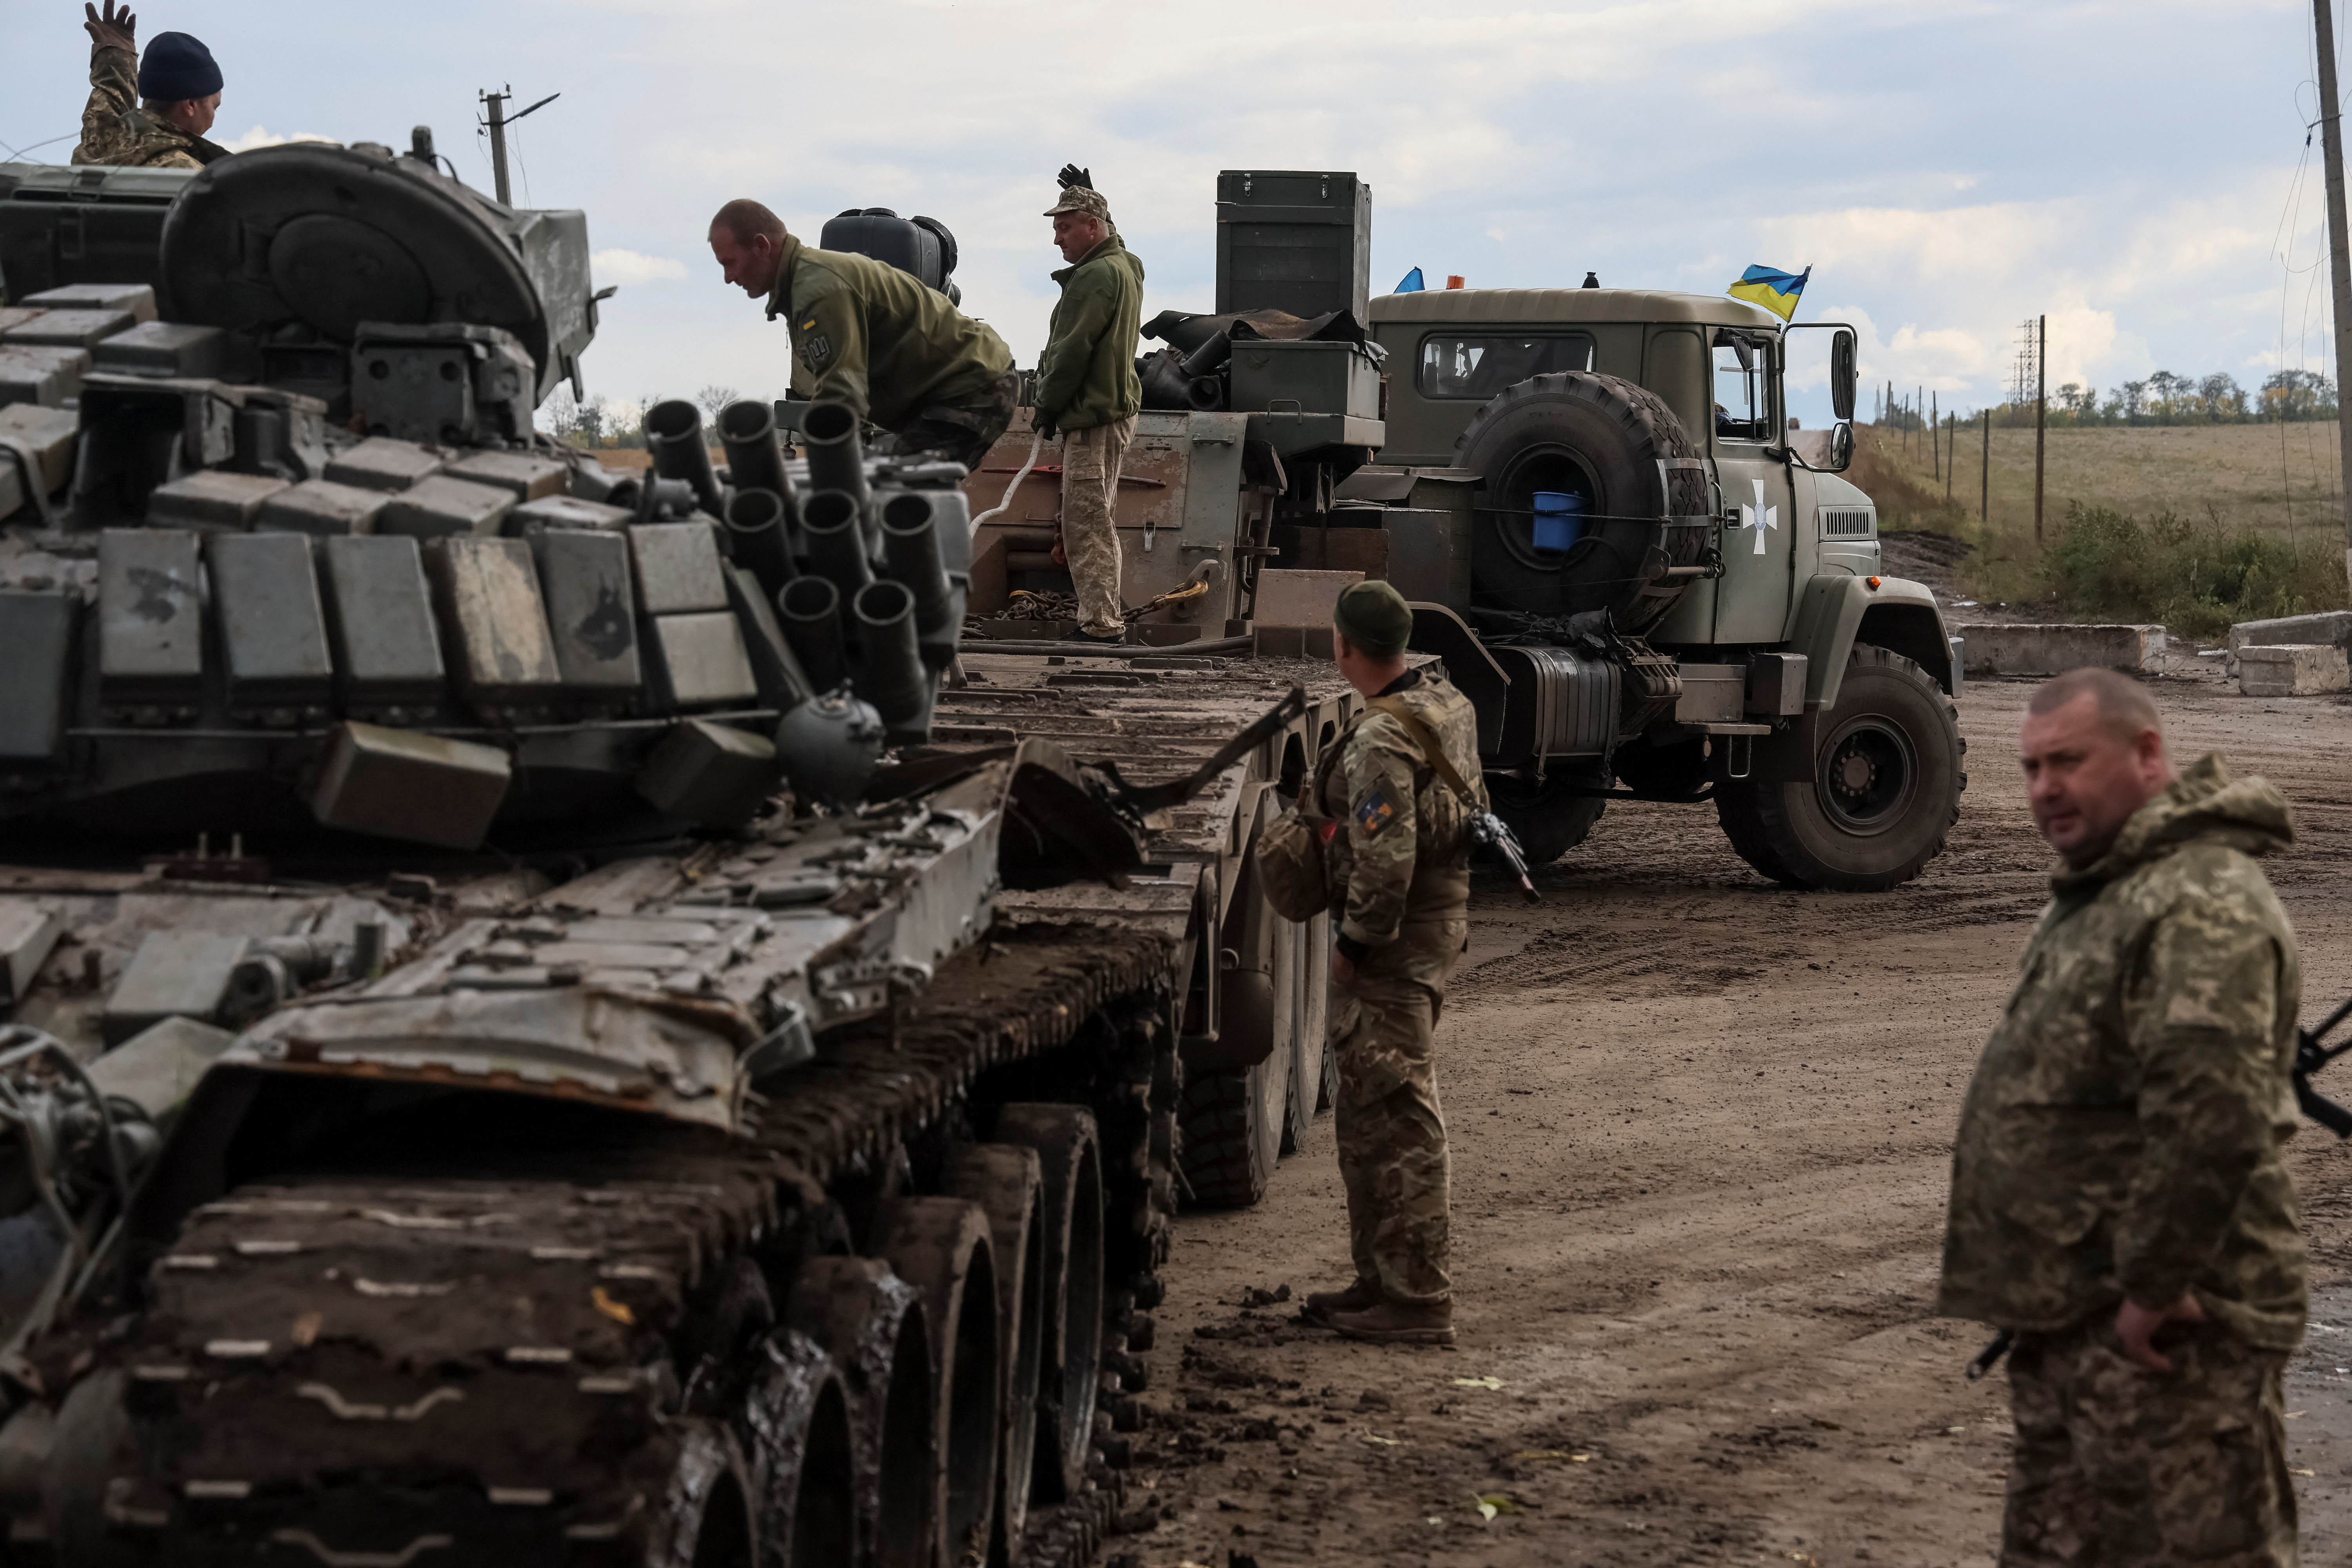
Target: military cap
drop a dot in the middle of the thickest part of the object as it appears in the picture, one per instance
(1374, 617)
(176, 68)
(1081, 199)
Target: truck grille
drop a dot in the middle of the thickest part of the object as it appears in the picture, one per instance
(1848, 522)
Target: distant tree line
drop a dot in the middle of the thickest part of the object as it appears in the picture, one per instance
(2286, 396)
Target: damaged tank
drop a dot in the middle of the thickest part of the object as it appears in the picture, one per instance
(551, 1018)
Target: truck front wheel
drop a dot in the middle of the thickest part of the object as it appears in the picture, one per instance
(1887, 782)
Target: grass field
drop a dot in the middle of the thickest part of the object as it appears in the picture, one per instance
(2196, 527)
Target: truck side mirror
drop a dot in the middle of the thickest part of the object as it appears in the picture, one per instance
(1840, 446)
(1842, 376)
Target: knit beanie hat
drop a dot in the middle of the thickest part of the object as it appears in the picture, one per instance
(176, 67)
(1374, 617)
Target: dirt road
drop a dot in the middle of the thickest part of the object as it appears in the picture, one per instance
(1700, 1130)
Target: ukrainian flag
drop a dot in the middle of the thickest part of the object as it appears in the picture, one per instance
(1777, 291)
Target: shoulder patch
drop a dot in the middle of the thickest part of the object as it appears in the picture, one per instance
(816, 347)
(1375, 811)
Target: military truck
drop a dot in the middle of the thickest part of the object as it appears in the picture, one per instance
(1649, 582)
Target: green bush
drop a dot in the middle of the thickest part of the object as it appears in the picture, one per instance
(2196, 578)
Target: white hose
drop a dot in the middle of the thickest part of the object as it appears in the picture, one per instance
(1036, 444)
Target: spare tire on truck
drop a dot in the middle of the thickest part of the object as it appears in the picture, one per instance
(1599, 439)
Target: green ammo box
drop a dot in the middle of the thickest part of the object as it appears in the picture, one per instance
(1305, 378)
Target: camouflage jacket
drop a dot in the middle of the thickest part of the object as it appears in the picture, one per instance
(1086, 375)
(2123, 1133)
(116, 131)
(871, 336)
(1405, 855)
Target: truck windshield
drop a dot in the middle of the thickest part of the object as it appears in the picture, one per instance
(1480, 366)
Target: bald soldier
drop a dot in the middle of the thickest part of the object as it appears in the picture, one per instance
(150, 112)
(1399, 868)
(866, 334)
(2118, 1195)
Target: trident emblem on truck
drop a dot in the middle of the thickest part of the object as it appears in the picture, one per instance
(1759, 517)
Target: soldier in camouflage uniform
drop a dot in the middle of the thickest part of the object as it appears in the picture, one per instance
(1399, 868)
(1087, 389)
(150, 113)
(866, 334)
(2118, 1195)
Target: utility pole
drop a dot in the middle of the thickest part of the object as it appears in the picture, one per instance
(2040, 401)
(1952, 455)
(2339, 246)
(1935, 424)
(496, 123)
(1984, 496)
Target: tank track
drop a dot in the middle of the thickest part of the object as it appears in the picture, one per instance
(509, 1361)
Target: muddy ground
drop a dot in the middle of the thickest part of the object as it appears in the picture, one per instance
(1700, 1130)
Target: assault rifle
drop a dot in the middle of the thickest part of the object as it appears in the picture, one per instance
(2310, 1056)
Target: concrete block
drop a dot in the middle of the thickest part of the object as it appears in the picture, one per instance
(157, 1069)
(526, 477)
(2328, 628)
(491, 605)
(13, 493)
(677, 567)
(273, 628)
(49, 434)
(591, 609)
(17, 315)
(387, 650)
(569, 512)
(2293, 669)
(136, 300)
(1291, 642)
(441, 508)
(384, 464)
(1300, 599)
(27, 933)
(400, 783)
(211, 499)
(703, 660)
(151, 633)
(709, 773)
(2024, 649)
(163, 348)
(70, 329)
(321, 506)
(178, 974)
(46, 376)
(39, 635)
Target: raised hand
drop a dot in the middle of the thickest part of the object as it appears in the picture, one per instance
(118, 29)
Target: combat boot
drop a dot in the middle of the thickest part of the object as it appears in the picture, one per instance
(1357, 1297)
(1399, 1323)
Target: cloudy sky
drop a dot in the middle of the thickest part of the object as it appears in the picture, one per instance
(2133, 168)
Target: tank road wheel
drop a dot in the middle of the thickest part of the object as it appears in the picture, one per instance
(1233, 1121)
(1549, 818)
(871, 1322)
(1309, 1049)
(710, 1501)
(940, 1246)
(809, 1504)
(1006, 1181)
(1888, 783)
(1070, 1225)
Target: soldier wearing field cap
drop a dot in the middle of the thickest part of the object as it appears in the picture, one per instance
(149, 111)
(1396, 794)
(1088, 390)
(2119, 1200)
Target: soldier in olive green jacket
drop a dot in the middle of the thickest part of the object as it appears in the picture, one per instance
(2118, 1194)
(149, 113)
(1087, 389)
(866, 334)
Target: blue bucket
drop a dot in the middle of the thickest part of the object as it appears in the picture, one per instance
(1560, 519)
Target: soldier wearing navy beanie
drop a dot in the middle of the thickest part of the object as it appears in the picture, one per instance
(149, 113)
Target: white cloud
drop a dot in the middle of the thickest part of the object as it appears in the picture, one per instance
(261, 136)
(626, 266)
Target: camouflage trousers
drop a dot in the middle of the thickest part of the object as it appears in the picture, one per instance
(1090, 460)
(2121, 1468)
(1390, 1126)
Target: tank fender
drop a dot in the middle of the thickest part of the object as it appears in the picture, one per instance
(1835, 611)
